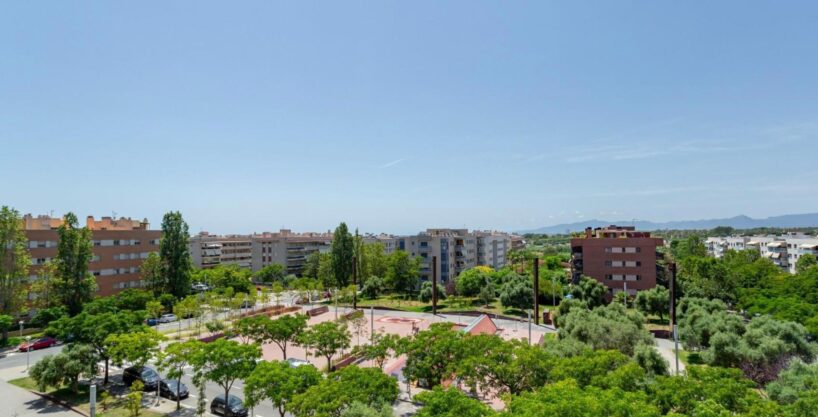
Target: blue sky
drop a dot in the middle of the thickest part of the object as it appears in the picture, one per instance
(397, 116)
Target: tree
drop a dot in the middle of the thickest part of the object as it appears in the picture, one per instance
(804, 262)
(487, 294)
(270, 273)
(133, 401)
(471, 281)
(450, 403)
(136, 348)
(359, 325)
(376, 261)
(326, 271)
(426, 295)
(342, 252)
(75, 285)
(590, 291)
(151, 269)
(224, 362)
(373, 286)
(517, 293)
(154, 309)
(42, 290)
(279, 382)
(650, 360)
(175, 357)
(173, 251)
(362, 410)
(382, 347)
(310, 269)
(688, 248)
(332, 395)
(65, 368)
(45, 316)
(607, 327)
(432, 354)
(327, 339)
(252, 329)
(14, 263)
(286, 329)
(654, 301)
(94, 329)
(566, 398)
(494, 365)
(403, 272)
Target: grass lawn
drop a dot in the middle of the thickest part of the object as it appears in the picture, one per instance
(115, 407)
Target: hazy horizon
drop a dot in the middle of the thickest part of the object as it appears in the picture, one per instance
(398, 117)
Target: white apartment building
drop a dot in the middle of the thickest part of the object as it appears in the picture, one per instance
(208, 251)
(783, 250)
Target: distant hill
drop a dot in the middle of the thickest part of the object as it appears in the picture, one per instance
(738, 222)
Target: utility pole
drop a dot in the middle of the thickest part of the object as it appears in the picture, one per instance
(434, 285)
(371, 325)
(673, 324)
(354, 282)
(92, 401)
(529, 326)
(537, 290)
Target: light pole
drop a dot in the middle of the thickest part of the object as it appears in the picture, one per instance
(529, 326)
(28, 350)
(21, 329)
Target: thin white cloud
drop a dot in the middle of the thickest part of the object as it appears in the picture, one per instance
(391, 164)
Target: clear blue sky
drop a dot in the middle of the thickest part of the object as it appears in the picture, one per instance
(397, 116)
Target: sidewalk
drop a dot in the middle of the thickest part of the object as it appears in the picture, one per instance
(21, 403)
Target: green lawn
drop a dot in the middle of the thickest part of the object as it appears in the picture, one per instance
(80, 400)
(443, 306)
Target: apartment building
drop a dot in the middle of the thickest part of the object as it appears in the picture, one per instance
(208, 251)
(119, 247)
(618, 257)
(781, 250)
(492, 247)
(287, 248)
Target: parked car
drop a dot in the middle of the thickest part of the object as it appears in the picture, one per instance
(233, 407)
(151, 321)
(199, 287)
(41, 343)
(146, 375)
(167, 389)
(168, 318)
(294, 362)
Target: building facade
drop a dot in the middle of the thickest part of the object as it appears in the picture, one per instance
(208, 251)
(287, 248)
(782, 250)
(618, 257)
(119, 248)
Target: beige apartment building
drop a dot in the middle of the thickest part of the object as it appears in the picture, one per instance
(288, 248)
(208, 251)
(120, 247)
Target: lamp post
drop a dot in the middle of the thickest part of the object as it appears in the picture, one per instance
(674, 327)
(28, 350)
(21, 328)
(529, 326)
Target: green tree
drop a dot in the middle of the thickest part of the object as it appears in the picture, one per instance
(94, 329)
(432, 354)
(566, 398)
(607, 327)
(650, 360)
(285, 330)
(270, 273)
(373, 286)
(42, 290)
(224, 362)
(376, 261)
(471, 281)
(310, 269)
(590, 291)
(362, 410)
(252, 329)
(45, 316)
(342, 252)
(327, 339)
(487, 294)
(326, 271)
(804, 262)
(175, 357)
(75, 285)
(154, 309)
(382, 347)
(450, 403)
(426, 295)
(65, 368)
(654, 301)
(279, 382)
(173, 251)
(332, 395)
(14, 263)
(136, 348)
(151, 269)
(517, 292)
(403, 272)
(692, 246)
(133, 401)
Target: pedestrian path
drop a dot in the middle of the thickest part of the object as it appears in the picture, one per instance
(18, 402)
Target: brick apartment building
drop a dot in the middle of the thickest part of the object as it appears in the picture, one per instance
(616, 256)
(120, 246)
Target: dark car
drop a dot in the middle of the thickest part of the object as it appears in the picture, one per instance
(151, 322)
(41, 343)
(168, 389)
(233, 407)
(146, 375)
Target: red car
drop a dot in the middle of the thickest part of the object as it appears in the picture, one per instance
(40, 343)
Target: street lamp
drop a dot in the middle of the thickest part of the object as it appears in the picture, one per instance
(529, 326)
(28, 350)
(21, 328)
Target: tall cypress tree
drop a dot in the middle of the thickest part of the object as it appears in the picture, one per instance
(174, 253)
(342, 251)
(75, 285)
(14, 263)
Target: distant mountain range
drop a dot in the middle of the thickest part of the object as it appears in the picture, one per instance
(738, 222)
